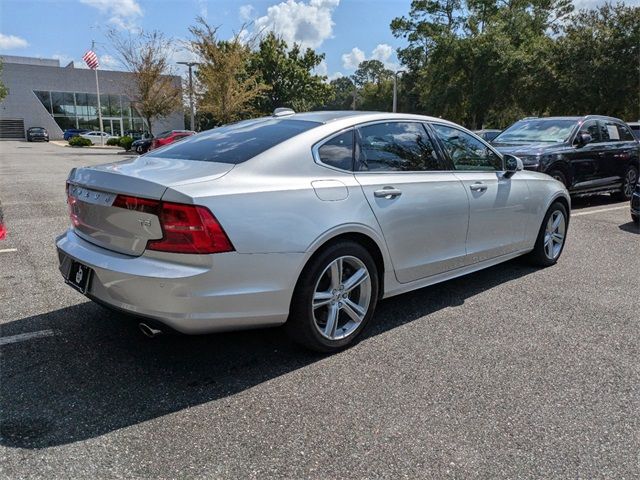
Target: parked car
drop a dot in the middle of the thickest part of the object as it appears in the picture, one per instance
(635, 128)
(95, 137)
(590, 154)
(69, 133)
(165, 138)
(635, 204)
(37, 134)
(141, 146)
(282, 219)
(137, 134)
(487, 134)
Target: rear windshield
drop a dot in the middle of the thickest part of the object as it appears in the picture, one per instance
(36, 129)
(235, 143)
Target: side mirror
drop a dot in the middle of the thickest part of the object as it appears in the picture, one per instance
(512, 164)
(582, 139)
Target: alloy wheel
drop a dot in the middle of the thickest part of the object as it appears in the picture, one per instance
(630, 182)
(341, 297)
(554, 235)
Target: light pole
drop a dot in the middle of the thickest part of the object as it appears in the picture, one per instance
(395, 89)
(193, 111)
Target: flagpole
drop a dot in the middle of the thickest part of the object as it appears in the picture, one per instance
(98, 92)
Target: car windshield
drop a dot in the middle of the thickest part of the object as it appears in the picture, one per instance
(235, 143)
(37, 129)
(537, 130)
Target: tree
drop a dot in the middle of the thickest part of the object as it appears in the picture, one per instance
(596, 63)
(475, 61)
(371, 71)
(153, 93)
(228, 88)
(343, 88)
(288, 74)
(4, 91)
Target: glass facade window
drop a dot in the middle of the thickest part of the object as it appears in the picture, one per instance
(80, 110)
(65, 122)
(63, 103)
(45, 99)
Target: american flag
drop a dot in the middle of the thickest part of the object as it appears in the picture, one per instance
(91, 59)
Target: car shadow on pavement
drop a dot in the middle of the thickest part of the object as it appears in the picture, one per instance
(98, 374)
(596, 200)
(630, 227)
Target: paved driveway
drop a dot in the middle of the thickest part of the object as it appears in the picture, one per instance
(508, 373)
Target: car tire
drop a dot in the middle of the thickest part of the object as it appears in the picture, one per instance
(551, 238)
(560, 176)
(342, 280)
(628, 184)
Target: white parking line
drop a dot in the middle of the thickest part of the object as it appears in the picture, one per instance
(599, 210)
(8, 250)
(25, 336)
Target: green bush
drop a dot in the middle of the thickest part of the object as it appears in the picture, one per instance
(114, 142)
(79, 142)
(125, 142)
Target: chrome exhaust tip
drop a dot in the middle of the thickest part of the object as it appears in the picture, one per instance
(147, 331)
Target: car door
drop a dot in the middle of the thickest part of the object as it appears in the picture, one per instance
(587, 160)
(618, 147)
(420, 205)
(499, 210)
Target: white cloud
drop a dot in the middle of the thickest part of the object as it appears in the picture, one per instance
(351, 60)
(246, 13)
(336, 75)
(590, 4)
(8, 42)
(203, 8)
(306, 23)
(108, 62)
(124, 14)
(382, 52)
(322, 68)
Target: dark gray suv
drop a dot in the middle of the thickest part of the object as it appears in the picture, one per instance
(590, 154)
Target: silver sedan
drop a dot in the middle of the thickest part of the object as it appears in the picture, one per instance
(306, 220)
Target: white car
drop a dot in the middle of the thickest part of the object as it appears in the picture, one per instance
(95, 137)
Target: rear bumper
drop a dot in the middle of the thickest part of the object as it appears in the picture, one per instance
(189, 293)
(635, 203)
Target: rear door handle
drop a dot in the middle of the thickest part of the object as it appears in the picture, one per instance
(387, 192)
(478, 187)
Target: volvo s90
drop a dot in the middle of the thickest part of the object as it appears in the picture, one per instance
(306, 220)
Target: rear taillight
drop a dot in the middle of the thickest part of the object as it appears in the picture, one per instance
(71, 202)
(186, 228)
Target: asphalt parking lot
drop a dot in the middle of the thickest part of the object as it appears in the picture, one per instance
(511, 372)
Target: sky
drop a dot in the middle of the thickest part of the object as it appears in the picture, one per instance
(346, 31)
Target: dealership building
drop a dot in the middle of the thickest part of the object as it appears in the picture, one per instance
(44, 94)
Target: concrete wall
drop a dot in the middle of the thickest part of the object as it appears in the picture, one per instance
(23, 79)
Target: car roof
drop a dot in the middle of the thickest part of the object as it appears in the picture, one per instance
(330, 116)
(575, 118)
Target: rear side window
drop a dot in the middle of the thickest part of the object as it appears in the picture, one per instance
(235, 143)
(624, 132)
(397, 146)
(338, 151)
(609, 131)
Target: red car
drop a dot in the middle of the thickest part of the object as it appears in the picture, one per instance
(165, 138)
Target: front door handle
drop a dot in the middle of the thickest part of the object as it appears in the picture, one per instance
(387, 192)
(478, 187)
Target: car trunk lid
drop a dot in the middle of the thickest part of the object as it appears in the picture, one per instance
(92, 192)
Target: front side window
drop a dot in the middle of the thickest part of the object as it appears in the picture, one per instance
(337, 152)
(397, 146)
(466, 151)
(590, 127)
